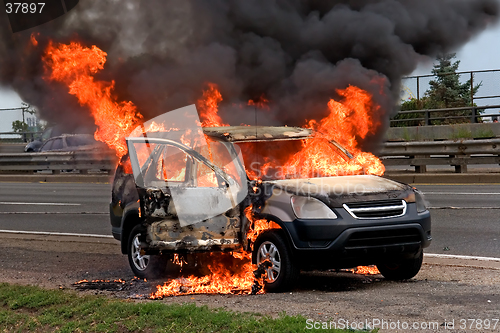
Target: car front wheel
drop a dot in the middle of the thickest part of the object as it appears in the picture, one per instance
(144, 266)
(272, 252)
(401, 269)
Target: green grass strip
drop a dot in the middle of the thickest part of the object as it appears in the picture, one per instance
(33, 309)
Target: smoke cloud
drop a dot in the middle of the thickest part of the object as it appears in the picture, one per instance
(162, 53)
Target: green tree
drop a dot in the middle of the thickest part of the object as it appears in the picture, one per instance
(445, 91)
(19, 126)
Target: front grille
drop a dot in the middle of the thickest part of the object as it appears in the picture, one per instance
(367, 239)
(376, 209)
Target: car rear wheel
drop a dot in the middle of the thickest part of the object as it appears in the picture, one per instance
(144, 266)
(401, 269)
(271, 251)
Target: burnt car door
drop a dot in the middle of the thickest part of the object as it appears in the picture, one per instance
(190, 196)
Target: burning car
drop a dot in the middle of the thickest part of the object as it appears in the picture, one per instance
(229, 189)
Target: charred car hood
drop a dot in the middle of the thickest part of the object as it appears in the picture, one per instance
(343, 189)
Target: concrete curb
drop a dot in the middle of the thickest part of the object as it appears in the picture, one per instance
(409, 178)
(461, 261)
(445, 178)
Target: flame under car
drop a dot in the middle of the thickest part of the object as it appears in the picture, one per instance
(181, 192)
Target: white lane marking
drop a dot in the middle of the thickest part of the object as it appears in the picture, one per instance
(452, 256)
(462, 193)
(49, 213)
(53, 233)
(40, 203)
(452, 207)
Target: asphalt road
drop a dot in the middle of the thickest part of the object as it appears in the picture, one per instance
(465, 217)
(55, 207)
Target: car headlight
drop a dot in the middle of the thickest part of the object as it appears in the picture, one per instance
(419, 199)
(311, 208)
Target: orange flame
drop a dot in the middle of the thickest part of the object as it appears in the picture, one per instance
(208, 107)
(33, 39)
(365, 270)
(229, 274)
(347, 123)
(262, 102)
(352, 120)
(75, 66)
(95, 281)
(257, 226)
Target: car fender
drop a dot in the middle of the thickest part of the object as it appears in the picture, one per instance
(130, 218)
(279, 205)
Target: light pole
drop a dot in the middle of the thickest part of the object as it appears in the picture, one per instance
(25, 107)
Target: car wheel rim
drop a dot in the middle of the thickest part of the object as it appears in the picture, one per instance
(140, 261)
(269, 252)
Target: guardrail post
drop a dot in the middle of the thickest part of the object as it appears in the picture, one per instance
(420, 168)
(473, 118)
(461, 166)
(427, 116)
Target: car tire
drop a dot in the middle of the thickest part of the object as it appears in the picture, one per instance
(283, 273)
(144, 266)
(401, 269)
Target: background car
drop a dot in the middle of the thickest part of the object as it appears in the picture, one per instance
(35, 145)
(71, 142)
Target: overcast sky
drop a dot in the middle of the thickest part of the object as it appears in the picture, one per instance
(9, 99)
(482, 52)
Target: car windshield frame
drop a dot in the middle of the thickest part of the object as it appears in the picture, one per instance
(342, 152)
(189, 151)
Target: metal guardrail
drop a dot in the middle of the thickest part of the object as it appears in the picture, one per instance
(19, 136)
(472, 117)
(55, 162)
(417, 154)
(455, 153)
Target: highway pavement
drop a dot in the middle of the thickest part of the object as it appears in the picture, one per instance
(81, 208)
(465, 217)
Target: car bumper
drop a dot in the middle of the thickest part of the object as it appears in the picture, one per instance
(348, 242)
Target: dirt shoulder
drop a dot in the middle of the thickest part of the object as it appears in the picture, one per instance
(444, 290)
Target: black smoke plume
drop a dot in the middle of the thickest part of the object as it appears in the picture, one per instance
(162, 53)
